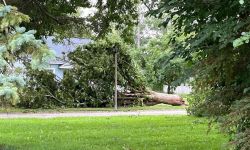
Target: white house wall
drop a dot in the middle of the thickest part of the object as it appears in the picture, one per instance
(182, 89)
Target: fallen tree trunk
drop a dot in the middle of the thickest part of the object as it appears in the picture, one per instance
(171, 99)
(153, 98)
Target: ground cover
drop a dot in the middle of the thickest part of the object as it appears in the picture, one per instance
(110, 133)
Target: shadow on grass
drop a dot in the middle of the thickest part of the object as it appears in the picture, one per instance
(7, 147)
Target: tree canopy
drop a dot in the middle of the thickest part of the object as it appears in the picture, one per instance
(56, 17)
(152, 56)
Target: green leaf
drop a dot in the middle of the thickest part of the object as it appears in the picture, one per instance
(241, 2)
(246, 90)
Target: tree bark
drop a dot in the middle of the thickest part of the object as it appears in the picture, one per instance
(169, 88)
(171, 99)
(153, 98)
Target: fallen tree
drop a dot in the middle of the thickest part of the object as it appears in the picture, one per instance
(151, 98)
(90, 83)
(171, 99)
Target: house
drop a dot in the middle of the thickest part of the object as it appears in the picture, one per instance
(181, 89)
(61, 49)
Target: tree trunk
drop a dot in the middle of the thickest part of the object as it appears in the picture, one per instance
(153, 98)
(169, 89)
(170, 99)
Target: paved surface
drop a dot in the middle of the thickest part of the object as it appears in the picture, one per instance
(94, 114)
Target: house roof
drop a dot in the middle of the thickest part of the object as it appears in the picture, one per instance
(65, 46)
(66, 66)
(57, 62)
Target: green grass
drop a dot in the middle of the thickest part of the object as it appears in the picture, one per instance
(155, 107)
(110, 133)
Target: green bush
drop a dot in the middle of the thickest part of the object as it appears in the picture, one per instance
(196, 103)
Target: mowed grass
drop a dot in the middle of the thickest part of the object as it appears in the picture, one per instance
(110, 133)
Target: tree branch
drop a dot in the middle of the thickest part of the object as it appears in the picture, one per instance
(42, 9)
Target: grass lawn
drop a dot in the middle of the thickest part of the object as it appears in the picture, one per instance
(155, 107)
(110, 133)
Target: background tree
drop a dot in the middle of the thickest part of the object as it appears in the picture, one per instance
(157, 71)
(155, 48)
(171, 74)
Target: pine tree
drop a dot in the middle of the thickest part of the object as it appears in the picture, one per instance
(15, 44)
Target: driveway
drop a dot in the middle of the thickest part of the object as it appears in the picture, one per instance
(94, 114)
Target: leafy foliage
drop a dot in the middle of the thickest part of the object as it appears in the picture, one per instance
(242, 40)
(17, 43)
(218, 48)
(171, 74)
(40, 90)
(154, 59)
(158, 72)
(93, 74)
(90, 83)
(56, 17)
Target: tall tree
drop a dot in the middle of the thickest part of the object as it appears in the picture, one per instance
(152, 60)
(154, 51)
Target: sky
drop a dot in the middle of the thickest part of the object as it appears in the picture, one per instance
(85, 12)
